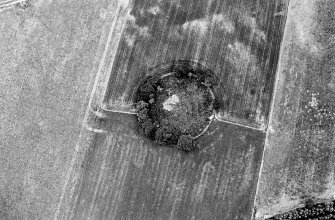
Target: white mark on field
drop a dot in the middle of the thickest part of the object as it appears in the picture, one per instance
(201, 25)
(154, 10)
(225, 23)
(133, 31)
(170, 102)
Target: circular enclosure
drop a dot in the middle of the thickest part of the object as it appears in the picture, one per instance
(175, 103)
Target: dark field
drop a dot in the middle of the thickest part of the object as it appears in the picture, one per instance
(218, 180)
(237, 40)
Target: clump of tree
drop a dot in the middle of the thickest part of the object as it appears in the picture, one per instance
(158, 124)
(146, 123)
(166, 135)
(186, 143)
(313, 211)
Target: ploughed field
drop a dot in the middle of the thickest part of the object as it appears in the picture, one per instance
(180, 146)
(150, 157)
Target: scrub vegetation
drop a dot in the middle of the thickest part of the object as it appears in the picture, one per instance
(312, 211)
(176, 108)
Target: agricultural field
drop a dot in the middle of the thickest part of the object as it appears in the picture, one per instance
(156, 109)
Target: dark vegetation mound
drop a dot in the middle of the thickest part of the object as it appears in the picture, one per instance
(312, 211)
(175, 108)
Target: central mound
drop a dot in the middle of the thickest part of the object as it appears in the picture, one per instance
(175, 108)
(182, 104)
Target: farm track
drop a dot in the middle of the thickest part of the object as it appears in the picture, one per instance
(9, 3)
